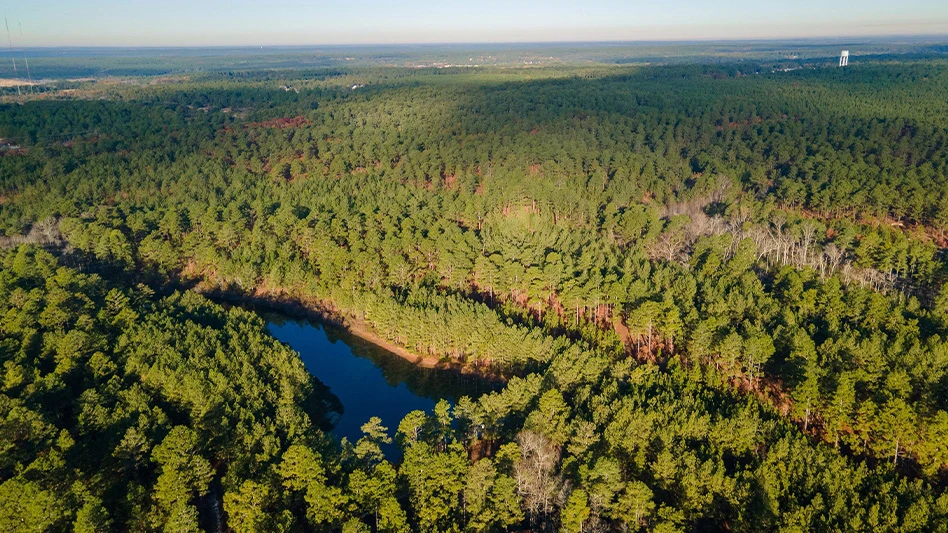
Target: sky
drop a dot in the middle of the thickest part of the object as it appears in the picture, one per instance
(301, 22)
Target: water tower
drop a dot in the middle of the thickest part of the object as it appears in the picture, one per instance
(844, 58)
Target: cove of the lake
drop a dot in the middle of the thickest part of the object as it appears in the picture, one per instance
(368, 380)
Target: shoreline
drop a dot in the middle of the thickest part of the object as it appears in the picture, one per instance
(364, 332)
(324, 315)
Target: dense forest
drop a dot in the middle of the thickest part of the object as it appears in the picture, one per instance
(716, 294)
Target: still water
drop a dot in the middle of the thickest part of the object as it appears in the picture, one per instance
(368, 380)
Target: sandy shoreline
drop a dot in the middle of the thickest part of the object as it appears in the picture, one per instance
(365, 333)
(323, 313)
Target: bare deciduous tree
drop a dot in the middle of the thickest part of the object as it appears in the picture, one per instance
(537, 481)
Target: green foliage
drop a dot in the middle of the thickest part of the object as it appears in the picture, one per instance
(122, 409)
(499, 253)
(435, 481)
(694, 271)
(26, 506)
(575, 512)
(490, 498)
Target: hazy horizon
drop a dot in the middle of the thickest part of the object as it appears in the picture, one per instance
(463, 44)
(241, 23)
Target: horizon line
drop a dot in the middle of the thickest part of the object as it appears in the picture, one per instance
(671, 40)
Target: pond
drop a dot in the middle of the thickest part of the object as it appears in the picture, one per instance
(369, 380)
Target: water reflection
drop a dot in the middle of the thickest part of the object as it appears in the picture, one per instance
(368, 380)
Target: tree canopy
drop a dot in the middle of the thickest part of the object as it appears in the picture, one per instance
(716, 292)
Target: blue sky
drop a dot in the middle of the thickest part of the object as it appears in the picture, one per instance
(261, 22)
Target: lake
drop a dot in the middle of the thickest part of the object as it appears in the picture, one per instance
(368, 380)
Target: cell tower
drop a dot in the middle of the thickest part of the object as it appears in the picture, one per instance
(29, 77)
(844, 58)
(10, 42)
